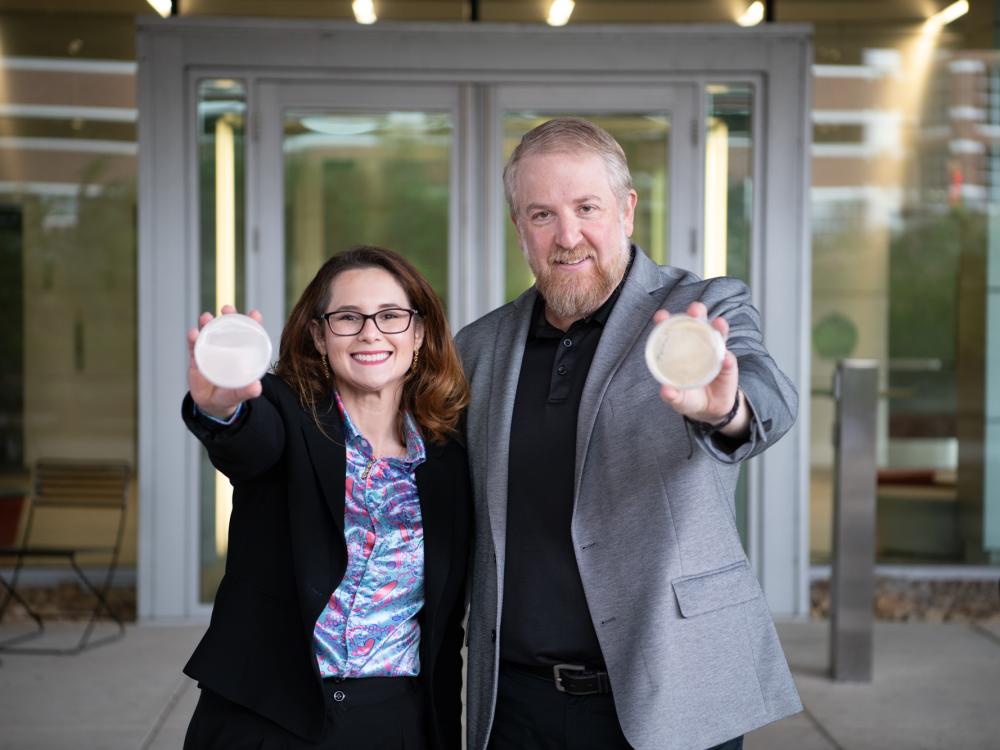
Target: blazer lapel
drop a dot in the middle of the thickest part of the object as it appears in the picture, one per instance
(512, 331)
(626, 328)
(328, 458)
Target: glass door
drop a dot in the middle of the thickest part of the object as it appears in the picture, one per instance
(349, 164)
(691, 165)
(657, 127)
(417, 168)
(336, 165)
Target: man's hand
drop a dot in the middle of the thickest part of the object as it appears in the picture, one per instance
(210, 399)
(712, 403)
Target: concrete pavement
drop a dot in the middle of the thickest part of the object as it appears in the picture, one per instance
(936, 686)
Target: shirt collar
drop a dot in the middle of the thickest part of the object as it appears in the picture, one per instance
(415, 451)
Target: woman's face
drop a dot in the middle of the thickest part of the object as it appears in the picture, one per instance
(369, 361)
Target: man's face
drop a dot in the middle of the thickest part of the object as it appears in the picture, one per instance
(573, 230)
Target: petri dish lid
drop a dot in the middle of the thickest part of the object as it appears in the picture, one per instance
(685, 352)
(233, 351)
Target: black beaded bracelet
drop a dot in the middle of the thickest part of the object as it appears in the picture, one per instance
(708, 429)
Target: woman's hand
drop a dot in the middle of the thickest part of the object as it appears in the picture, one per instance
(220, 403)
(712, 403)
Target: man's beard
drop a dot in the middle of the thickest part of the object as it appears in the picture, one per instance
(569, 296)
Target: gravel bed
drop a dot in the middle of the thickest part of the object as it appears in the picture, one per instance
(904, 600)
(69, 601)
(896, 600)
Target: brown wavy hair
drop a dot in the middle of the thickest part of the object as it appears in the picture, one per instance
(435, 394)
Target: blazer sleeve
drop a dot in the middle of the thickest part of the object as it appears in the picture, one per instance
(248, 448)
(770, 394)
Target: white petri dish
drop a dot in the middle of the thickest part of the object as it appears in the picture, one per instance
(233, 351)
(685, 352)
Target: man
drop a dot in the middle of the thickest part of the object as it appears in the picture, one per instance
(612, 603)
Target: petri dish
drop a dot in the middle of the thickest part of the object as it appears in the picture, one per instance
(233, 351)
(685, 352)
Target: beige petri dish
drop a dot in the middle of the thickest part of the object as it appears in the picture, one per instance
(233, 351)
(685, 352)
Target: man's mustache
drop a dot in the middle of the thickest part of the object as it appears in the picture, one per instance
(571, 256)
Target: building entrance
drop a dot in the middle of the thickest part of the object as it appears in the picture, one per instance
(272, 146)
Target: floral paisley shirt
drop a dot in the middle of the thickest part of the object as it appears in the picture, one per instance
(369, 627)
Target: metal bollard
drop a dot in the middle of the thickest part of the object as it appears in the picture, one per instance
(852, 582)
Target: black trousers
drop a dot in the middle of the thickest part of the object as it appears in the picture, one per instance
(382, 713)
(532, 715)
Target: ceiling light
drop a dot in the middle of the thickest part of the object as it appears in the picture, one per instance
(949, 14)
(163, 7)
(364, 11)
(559, 12)
(753, 15)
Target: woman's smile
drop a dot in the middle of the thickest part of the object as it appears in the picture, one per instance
(371, 358)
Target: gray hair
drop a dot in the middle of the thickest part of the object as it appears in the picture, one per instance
(570, 135)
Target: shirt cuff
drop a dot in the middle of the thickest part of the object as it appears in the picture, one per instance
(225, 422)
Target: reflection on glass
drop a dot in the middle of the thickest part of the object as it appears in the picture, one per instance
(901, 263)
(68, 323)
(645, 138)
(378, 178)
(729, 205)
(728, 180)
(221, 129)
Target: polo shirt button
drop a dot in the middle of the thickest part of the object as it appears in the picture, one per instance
(493, 636)
(567, 343)
(339, 696)
(561, 369)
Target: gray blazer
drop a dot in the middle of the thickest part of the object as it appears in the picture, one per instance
(687, 636)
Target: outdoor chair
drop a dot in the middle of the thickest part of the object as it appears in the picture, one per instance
(66, 497)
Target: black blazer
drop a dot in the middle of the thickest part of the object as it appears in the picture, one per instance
(287, 554)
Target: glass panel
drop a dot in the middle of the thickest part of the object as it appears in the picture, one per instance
(645, 138)
(221, 131)
(903, 257)
(68, 371)
(729, 205)
(374, 178)
(728, 180)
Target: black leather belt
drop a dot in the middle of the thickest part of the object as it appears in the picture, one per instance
(572, 679)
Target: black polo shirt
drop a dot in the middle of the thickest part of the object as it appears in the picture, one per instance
(545, 618)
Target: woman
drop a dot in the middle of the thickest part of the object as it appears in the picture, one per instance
(338, 621)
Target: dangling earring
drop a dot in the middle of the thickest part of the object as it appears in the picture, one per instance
(416, 358)
(326, 368)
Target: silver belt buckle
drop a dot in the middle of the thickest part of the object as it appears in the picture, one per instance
(568, 668)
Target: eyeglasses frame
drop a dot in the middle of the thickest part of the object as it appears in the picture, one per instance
(325, 317)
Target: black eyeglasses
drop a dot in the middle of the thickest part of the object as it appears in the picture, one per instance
(351, 322)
